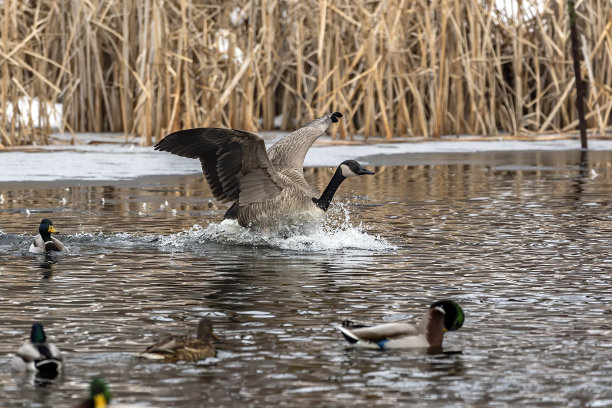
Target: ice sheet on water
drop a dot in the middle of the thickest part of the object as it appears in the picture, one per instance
(121, 162)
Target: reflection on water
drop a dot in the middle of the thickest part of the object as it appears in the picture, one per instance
(521, 241)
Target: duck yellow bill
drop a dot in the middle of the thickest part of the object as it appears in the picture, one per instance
(99, 401)
(52, 230)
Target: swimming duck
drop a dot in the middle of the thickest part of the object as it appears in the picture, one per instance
(185, 348)
(38, 355)
(99, 395)
(44, 242)
(267, 188)
(442, 316)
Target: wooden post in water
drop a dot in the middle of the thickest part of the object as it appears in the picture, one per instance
(579, 83)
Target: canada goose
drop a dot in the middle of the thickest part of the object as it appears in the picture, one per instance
(99, 395)
(44, 242)
(268, 188)
(442, 316)
(37, 355)
(175, 348)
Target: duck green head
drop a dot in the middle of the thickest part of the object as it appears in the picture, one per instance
(46, 227)
(37, 335)
(99, 393)
(453, 314)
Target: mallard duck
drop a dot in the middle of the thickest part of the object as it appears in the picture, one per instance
(44, 242)
(268, 188)
(442, 316)
(185, 348)
(38, 355)
(99, 395)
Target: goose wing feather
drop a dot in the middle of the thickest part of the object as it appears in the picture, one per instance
(385, 331)
(234, 162)
(289, 152)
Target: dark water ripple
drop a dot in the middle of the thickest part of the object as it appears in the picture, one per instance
(524, 249)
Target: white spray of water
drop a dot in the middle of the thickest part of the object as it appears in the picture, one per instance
(335, 234)
(314, 238)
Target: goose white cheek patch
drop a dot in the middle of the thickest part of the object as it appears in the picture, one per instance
(346, 171)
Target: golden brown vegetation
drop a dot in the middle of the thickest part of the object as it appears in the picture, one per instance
(394, 68)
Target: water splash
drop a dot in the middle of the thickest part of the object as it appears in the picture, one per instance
(336, 233)
(314, 238)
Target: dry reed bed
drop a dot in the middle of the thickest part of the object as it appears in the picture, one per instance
(394, 67)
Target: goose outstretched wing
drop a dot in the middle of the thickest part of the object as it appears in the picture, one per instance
(289, 152)
(234, 162)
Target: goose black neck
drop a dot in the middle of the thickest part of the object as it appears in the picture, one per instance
(330, 190)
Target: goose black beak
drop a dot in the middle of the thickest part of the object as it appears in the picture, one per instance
(334, 116)
(363, 171)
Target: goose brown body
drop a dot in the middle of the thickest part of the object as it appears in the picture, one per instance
(267, 188)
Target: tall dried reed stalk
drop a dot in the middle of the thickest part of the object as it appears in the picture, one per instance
(393, 67)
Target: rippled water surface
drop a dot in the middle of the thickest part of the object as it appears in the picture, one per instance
(521, 240)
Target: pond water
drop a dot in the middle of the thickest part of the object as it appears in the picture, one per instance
(522, 241)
